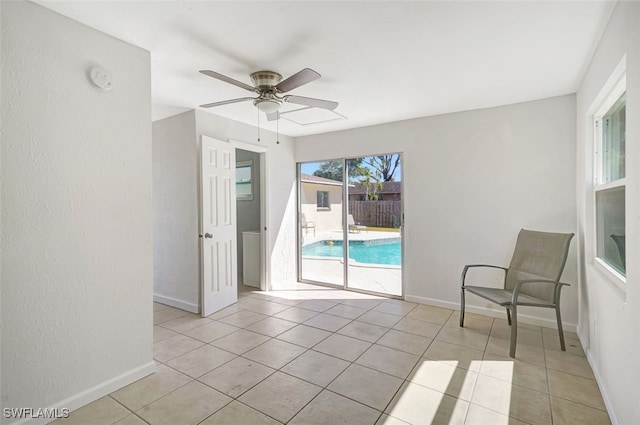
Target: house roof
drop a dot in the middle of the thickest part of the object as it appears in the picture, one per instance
(308, 178)
(387, 187)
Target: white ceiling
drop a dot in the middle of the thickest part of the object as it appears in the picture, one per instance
(383, 60)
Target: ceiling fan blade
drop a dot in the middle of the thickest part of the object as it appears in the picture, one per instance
(226, 102)
(310, 101)
(226, 79)
(298, 79)
(273, 116)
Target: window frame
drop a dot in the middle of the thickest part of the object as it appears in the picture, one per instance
(611, 98)
(245, 164)
(322, 207)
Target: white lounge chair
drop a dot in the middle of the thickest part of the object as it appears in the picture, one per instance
(306, 225)
(353, 226)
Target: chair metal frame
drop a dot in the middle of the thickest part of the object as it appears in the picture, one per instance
(512, 306)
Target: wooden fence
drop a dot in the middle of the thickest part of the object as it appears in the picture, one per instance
(377, 213)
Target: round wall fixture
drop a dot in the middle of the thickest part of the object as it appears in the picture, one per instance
(101, 78)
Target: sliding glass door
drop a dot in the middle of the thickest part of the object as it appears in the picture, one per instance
(320, 234)
(357, 200)
(374, 219)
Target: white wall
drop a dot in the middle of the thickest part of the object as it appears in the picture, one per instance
(76, 212)
(610, 317)
(175, 212)
(248, 211)
(471, 181)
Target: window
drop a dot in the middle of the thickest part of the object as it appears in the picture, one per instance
(323, 199)
(244, 183)
(610, 180)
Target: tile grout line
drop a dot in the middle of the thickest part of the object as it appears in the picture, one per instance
(352, 362)
(132, 412)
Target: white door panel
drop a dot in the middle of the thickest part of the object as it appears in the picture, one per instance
(219, 277)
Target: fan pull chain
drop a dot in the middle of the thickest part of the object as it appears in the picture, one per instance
(278, 128)
(258, 125)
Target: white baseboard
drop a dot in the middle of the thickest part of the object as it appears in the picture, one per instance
(173, 302)
(599, 381)
(92, 394)
(524, 318)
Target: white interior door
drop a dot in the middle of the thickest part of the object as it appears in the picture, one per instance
(219, 261)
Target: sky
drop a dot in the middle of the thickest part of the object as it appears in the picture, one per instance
(309, 167)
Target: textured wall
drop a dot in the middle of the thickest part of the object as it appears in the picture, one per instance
(471, 181)
(609, 315)
(76, 210)
(176, 275)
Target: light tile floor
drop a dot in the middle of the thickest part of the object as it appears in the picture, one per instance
(324, 356)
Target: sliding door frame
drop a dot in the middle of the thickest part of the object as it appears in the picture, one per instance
(345, 228)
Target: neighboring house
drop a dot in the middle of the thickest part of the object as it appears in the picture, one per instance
(321, 203)
(390, 191)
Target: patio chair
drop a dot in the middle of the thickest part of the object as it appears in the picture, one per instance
(306, 225)
(353, 226)
(532, 279)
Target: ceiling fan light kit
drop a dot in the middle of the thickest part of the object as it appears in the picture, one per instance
(267, 105)
(269, 85)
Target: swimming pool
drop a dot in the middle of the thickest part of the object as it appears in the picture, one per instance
(368, 252)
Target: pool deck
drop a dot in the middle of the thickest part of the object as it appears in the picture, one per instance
(336, 235)
(376, 278)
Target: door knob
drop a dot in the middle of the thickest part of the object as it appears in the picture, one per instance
(208, 235)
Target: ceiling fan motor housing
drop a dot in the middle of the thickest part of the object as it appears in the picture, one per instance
(265, 79)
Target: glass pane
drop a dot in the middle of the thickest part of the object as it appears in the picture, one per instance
(374, 220)
(610, 222)
(613, 141)
(323, 199)
(320, 222)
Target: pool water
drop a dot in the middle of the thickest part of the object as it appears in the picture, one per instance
(389, 253)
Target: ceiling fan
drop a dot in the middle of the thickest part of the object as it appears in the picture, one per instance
(269, 86)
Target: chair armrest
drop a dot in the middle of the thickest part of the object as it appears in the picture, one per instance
(518, 287)
(468, 266)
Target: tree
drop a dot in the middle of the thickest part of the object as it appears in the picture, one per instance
(330, 170)
(371, 172)
(385, 165)
(370, 182)
(333, 169)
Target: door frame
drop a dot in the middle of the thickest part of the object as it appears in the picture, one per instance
(265, 258)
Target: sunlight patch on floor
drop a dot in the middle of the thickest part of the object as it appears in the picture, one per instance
(441, 392)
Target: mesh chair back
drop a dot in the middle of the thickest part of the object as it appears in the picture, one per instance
(538, 255)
